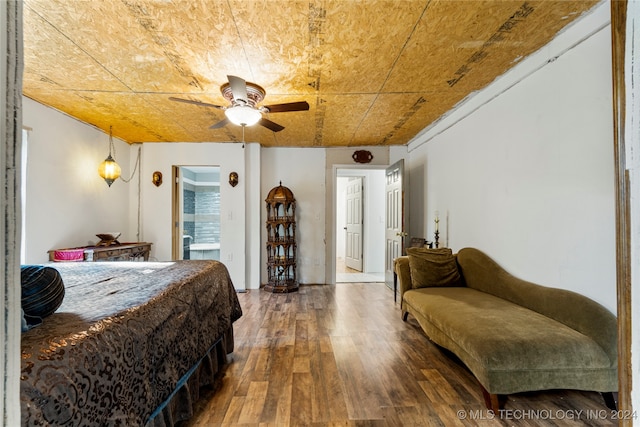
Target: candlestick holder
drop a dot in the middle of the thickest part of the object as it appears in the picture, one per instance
(437, 236)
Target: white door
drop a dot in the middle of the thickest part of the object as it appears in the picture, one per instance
(394, 218)
(353, 242)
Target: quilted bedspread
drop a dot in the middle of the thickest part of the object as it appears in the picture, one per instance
(122, 339)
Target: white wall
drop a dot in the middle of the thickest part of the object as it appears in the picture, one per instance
(67, 201)
(375, 221)
(254, 203)
(528, 177)
(341, 221)
(156, 202)
(302, 171)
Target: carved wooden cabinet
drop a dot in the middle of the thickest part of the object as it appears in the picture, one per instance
(281, 240)
(136, 251)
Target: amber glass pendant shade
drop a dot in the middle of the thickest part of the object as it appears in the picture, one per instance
(109, 170)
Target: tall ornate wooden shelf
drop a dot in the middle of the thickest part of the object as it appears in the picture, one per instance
(281, 240)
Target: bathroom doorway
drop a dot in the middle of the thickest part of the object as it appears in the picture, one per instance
(196, 207)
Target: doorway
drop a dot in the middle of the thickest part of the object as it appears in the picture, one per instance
(196, 207)
(360, 225)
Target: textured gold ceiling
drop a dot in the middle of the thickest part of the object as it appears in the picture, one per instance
(373, 72)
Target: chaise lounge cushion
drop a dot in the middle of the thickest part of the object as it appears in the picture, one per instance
(512, 334)
(433, 267)
(508, 347)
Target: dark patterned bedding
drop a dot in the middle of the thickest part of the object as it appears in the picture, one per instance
(122, 340)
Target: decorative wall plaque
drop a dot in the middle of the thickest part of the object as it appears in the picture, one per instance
(362, 156)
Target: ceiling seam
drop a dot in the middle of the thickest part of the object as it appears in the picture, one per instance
(246, 57)
(83, 50)
(78, 92)
(242, 42)
(393, 65)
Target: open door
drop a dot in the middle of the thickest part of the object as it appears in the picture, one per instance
(353, 242)
(394, 218)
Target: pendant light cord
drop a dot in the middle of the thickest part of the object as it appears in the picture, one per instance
(112, 149)
(135, 168)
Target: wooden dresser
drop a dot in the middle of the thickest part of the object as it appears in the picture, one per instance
(137, 251)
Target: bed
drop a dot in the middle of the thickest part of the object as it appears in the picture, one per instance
(131, 344)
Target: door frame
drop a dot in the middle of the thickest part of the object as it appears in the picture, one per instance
(626, 183)
(176, 212)
(177, 206)
(330, 254)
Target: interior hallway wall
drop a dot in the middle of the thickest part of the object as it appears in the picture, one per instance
(302, 171)
(156, 202)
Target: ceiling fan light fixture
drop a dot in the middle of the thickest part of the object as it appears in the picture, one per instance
(244, 98)
(243, 115)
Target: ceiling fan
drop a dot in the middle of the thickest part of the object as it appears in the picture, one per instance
(244, 111)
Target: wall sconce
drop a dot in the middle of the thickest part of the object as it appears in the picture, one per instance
(157, 178)
(109, 170)
(233, 179)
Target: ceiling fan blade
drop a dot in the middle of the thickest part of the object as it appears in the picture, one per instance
(220, 124)
(270, 125)
(290, 106)
(238, 88)
(202, 104)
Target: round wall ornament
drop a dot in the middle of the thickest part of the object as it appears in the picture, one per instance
(362, 156)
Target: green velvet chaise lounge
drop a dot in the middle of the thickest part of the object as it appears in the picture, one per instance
(513, 335)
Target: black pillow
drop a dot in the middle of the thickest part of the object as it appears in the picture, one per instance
(42, 292)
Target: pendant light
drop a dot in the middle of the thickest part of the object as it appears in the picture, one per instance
(109, 170)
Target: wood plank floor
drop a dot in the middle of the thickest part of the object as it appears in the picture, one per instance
(340, 355)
